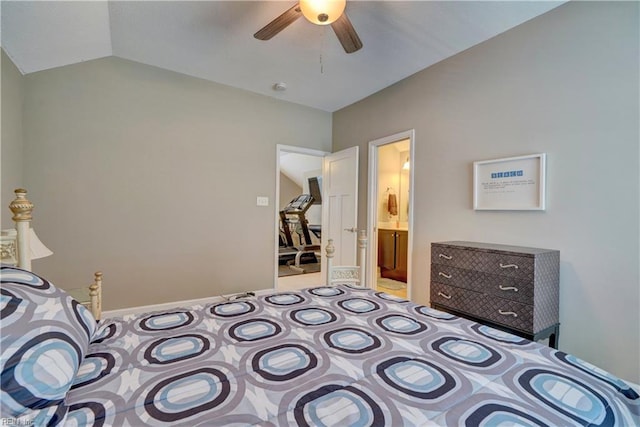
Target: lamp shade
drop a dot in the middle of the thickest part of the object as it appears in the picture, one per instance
(322, 12)
(36, 248)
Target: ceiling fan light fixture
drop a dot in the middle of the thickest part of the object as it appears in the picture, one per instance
(322, 12)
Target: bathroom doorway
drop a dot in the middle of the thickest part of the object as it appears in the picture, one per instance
(390, 213)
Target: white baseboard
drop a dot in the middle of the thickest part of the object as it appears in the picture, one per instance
(175, 304)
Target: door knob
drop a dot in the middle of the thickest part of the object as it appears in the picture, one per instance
(352, 229)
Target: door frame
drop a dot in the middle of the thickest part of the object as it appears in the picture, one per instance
(281, 148)
(372, 206)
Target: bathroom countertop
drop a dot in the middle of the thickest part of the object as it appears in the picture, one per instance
(393, 226)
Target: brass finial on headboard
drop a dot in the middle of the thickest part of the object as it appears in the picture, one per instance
(21, 206)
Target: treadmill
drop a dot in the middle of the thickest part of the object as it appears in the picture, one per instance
(293, 216)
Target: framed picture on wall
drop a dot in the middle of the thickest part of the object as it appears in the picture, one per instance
(513, 183)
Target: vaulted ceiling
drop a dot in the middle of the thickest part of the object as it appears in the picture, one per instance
(214, 40)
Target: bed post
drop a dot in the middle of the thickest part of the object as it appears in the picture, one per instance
(22, 208)
(330, 251)
(95, 295)
(362, 246)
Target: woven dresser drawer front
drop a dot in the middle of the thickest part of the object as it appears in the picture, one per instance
(505, 312)
(452, 297)
(494, 262)
(501, 286)
(498, 310)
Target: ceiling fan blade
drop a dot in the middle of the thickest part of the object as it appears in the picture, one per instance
(279, 24)
(346, 34)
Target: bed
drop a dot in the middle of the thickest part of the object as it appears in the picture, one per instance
(338, 355)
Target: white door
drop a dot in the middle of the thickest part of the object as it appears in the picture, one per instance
(340, 205)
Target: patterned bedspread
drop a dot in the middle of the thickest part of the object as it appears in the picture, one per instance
(333, 356)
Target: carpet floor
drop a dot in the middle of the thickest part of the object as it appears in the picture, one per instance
(390, 284)
(285, 270)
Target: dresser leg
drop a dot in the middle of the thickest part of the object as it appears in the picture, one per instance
(554, 337)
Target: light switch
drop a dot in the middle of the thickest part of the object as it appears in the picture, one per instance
(262, 201)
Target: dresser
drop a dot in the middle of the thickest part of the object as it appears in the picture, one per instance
(511, 288)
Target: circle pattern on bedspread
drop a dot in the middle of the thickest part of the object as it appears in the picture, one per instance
(594, 371)
(326, 291)
(84, 317)
(23, 277)
(389, 297)
(86, 414)
(233, 309)
(313, 316)
(433, 313)
(94, 366)
(187, 394)
(352, 340)
(400, 324)
(166, 321)
(465, 351)
(498, 335)
(337, 405)
(175, 349)
(32, 386)
(569, 396)
(495, 414)
(105, 332)
(253, 330)
(96, 410)
(9, 304)
(416, 377)
(284, 362)
(284, 299)
(359, 305)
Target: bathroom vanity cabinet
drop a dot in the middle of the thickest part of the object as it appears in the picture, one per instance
(392, 253)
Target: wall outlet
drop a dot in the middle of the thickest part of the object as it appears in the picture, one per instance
(262, 201)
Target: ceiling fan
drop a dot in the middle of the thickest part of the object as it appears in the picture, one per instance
(319, 12)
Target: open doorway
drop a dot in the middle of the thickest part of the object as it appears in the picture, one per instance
(298, 217)
(390, 213)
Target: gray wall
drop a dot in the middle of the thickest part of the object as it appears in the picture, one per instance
(288, 191)
(152, 177)
(565, 84)
(12, 157)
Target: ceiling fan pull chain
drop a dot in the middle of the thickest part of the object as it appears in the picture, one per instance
(322, 37)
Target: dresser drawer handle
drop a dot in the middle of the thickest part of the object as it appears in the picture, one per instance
(443, 295)
(445, 256)
(445, 275)
(508, 288)
(508, 313)
(508, 266)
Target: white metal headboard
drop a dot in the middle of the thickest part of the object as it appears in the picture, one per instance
(355, 271)
(16, 250)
